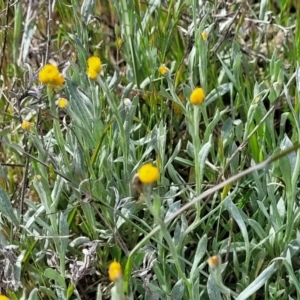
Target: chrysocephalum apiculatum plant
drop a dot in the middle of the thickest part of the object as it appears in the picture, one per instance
(145, 135)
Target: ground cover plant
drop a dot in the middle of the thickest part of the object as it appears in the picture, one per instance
(149, 149)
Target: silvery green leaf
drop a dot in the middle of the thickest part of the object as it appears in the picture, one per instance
(236, 215)
(201, 250)
(99, 293)
(258, 282)
(178, 290)
(54, 275)
(87, 9)
(33, 294)
(213, 289)
(7, 209)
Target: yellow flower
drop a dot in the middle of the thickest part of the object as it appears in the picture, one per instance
(163, 70)
(94, 63)
(49, 74)
(204, 35)
(92, 74)
(214, 261)
(115, 271)
(197, 96)
(58, 80)
(94, 67)
(62, 103)
(2, 297)
(148, 174)
(119, 43)
(26, 125)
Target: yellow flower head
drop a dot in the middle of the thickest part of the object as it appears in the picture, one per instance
(94, 63)
(58, 80)
(148, 174)
(115, 271)
(2, 297)
(204, 35)
(49, 74)
(163, 70)
(119, 43)
(26, 126)
(197, 96)
(94, 67)
(92, 74)
(62, 103)
(214, 261)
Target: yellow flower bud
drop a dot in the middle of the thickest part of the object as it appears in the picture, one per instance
(115, 271)
(62, 103)
(94, 67)
(197, 96)
(163, 70)
(148, 174)
(214, 261)
(26, 125)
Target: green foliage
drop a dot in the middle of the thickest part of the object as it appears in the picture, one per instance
(229, 168)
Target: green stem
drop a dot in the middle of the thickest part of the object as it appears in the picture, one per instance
(166, 234)
(197, 146)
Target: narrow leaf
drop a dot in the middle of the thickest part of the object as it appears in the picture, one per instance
(258, 282)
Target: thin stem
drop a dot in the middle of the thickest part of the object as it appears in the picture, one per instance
(197, 146)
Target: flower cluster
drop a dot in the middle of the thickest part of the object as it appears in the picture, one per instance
(148, 174)
(94, 67)
(26, 125)
(163, 70)
(197, 96)
(115, 271)
(62, 103)
(50, 74)
(214, 261)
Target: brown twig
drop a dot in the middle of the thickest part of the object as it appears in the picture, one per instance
(49, 26)
(5, 37)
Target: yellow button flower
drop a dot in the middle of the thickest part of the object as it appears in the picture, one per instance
(26, 126)
(94, 67)
(115, 271)
(214, 261)
(94, 63)
(197, 96)
(163, 70)
(148, 174)
(62, 103)
(50, 74)
(2, 297)
(58, 80)
(92, 74)
(119, 43)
